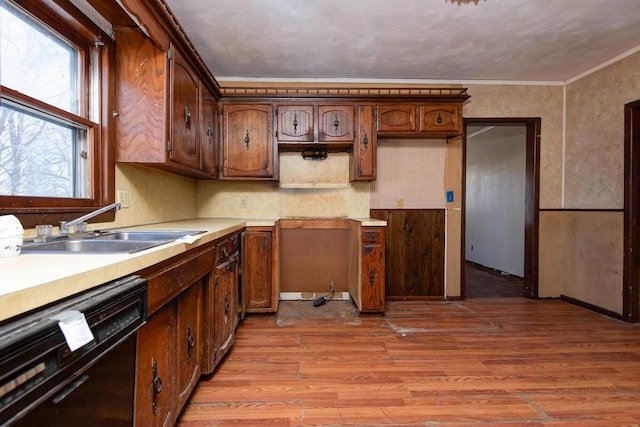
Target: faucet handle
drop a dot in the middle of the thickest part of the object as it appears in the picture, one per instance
(64, 228)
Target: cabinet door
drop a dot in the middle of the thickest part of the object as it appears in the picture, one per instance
(441, 118)
(189, 340)
(248, 141)
(295, 123)
(184, 147)
(335, 123)
(209, 134)
(155, 370)
(226, 305)
(258, 271)
(365, 147)
(372, 272)
(396, 118)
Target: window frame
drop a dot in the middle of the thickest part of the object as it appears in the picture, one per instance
(65, 19)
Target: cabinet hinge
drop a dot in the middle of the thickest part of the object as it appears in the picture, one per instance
(169, 145)
(170, 53)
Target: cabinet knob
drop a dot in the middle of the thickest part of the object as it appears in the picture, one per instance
(439, 119)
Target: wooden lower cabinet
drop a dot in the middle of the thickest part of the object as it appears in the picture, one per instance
(189, 340)
(367, 267)
(259, 270)
(226, 309)
(155, 404)
(193, 312)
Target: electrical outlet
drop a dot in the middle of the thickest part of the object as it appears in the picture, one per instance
(123, 198)
(243, 202)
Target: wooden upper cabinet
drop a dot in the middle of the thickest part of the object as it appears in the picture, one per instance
(396, 118)
(184, 145)
(440, 118)
(336, 123)
(247, 147)
(365, 148)
(158, 117)
(295, 123)
(209, 133)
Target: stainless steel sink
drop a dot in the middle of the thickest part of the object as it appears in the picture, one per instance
(89, 246)
(146, 235)
(116, 241)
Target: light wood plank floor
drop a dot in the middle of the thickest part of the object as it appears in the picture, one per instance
(500, 362)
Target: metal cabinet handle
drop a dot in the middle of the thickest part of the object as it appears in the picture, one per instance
(372, 277)
(210, 133)
(191, 342)
(439, 119)
(157, 386)
(295, 122)
(187, 114)
(247, 139)
(336, 123)
(366, 141)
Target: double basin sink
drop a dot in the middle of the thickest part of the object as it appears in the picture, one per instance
(103, 242)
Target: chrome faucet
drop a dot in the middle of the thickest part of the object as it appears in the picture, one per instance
(66, 225)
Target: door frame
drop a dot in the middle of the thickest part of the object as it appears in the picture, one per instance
(532, 197)
(631, 267)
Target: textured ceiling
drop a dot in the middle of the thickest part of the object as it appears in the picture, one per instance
(523, 40)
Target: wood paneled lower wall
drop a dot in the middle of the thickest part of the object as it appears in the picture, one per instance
(414, 252)
(480, 362)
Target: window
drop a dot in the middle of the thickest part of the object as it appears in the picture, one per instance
(55, 160)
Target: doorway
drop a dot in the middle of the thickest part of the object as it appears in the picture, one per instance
(499, 240)
(631, 269)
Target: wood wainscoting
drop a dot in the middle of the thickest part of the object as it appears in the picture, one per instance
(414, 254)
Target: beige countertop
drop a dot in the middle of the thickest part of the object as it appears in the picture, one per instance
(29, 281)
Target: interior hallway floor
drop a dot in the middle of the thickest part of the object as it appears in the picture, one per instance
(479, 362)
(483, 282)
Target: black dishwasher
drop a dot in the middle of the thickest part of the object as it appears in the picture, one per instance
(44, 383)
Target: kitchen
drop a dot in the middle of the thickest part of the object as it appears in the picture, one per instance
(153, 195)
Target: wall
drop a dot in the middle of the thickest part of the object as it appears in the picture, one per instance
(584, 251)
(254, 199)
(154, 196)
(495, 198)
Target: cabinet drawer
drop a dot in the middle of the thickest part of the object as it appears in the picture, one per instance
(371, 236)
(226, 248)
(166, 283)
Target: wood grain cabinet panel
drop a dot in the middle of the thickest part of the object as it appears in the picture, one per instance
(247, 147)
(364, 158)
(155, 404)
(209, 134)
(295, 123)
(189, 340)
(441, 118)
(259, 270)
(396, 118)
(336, 123)
(184, 119)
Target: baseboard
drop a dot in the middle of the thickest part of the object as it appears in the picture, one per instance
(308, 296)
(591, 307)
